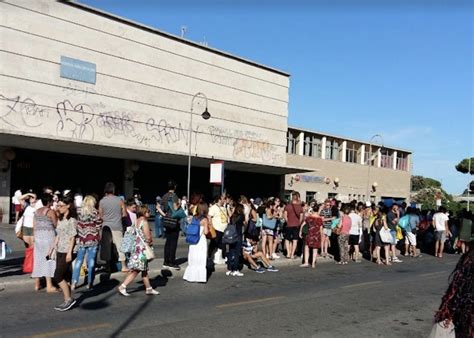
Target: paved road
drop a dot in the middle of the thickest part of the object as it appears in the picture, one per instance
(362, 300)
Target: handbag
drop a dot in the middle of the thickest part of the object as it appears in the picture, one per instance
(19, 228)
(399, 233)
(28, 262)
(168, 222)
(212, 232)
(149, 253)
(335, 223)
(269, 223)
(385, 236)
(440, 331)
(230, 235)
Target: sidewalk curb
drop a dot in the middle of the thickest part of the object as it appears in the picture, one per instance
(24, 280)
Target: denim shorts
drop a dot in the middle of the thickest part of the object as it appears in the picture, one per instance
(327, 232)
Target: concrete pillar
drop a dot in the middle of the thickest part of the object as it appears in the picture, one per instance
(394, 161)
(300, 150)
(323, 147)
(379, 158)
(5, 185)
(344, 148)
(362, 154)
(128, 181)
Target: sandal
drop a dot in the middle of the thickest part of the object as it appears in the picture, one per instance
(304, 266)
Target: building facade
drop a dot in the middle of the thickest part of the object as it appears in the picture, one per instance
(86, 95)
(346, 169)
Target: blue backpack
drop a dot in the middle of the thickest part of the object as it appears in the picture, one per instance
(193, 231)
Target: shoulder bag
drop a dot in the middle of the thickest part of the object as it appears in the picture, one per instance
(385, 236)
(19, 228)
(149, 253)
(168, 222)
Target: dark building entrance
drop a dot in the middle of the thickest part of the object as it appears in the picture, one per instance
(34, 169)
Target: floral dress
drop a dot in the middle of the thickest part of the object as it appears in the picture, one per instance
(313, 238)
(137, 259)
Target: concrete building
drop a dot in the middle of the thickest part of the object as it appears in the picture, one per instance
(342, 170)
(87, 97)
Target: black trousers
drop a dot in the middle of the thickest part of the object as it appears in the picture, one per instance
(171, 245)
(233, 257)
(216, 243)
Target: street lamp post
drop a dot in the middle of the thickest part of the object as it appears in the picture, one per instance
(205, 115)
(369, 161)
(468, 185)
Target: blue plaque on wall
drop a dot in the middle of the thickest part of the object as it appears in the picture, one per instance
(78, 70)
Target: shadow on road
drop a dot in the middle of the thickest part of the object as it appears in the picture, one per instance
(99, 289)
(132, 317)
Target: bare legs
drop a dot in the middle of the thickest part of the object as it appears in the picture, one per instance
(306, 257)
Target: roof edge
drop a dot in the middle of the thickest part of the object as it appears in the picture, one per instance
(346, 138)
(93, 10)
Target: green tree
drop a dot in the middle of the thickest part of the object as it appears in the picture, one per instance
(419, 182)
(463, 166)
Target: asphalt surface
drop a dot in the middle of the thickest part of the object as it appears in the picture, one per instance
(362, 300)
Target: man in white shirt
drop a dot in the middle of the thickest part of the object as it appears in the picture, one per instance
(440, 223)
(219, 219)
(355, 232)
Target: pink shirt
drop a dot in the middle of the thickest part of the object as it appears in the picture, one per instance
(346, 224)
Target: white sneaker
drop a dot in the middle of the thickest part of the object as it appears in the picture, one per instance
(151, 291)
(275, 256)
(237, 273)
(229, 273)
(123, 290)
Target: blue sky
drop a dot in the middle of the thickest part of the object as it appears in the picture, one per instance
(402, 69)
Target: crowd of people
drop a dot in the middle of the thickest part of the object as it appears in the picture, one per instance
(70, 233)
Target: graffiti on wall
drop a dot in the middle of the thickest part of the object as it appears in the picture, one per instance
(30, 113)
(246, 145)
(93, 122)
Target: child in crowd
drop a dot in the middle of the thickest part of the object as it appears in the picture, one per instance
(252, 255)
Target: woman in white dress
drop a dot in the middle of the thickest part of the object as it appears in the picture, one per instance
(197, 257)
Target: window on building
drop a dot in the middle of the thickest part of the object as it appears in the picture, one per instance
(402, 161)
(386, 158)
(310, 195)
(292, 142)
(370, 158)
(312, 146)
(351, 152)
(287, 195)
(332, 195)
(332, 149)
